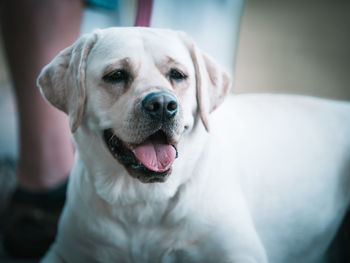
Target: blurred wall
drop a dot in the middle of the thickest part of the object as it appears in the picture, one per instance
(212, 24)
(295, 46)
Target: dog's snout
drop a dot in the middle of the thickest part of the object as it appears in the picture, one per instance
(160, 105)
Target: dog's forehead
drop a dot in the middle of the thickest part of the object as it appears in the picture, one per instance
(117, 43)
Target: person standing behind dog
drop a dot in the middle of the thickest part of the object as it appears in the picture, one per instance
(34, 31)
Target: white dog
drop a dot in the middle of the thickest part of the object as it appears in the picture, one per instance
(269, 182)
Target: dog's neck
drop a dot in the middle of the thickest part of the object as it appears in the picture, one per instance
(120, 199)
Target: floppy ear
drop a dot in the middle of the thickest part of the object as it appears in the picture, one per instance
(62, 81)
(212, 82)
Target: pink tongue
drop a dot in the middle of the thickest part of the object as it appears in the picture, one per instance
(155, 154)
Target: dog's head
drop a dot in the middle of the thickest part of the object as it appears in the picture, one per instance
(138, 90)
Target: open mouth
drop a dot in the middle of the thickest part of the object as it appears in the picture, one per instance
(149, 161)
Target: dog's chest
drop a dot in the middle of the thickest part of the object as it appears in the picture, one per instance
(145, 234)
(149, 244)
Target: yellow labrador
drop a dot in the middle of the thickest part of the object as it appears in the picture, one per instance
(268, 182)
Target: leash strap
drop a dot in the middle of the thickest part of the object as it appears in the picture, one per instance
(144, 12)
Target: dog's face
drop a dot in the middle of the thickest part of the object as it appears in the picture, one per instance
(140, 98)
(139, 90)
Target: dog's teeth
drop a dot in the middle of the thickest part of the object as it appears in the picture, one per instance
(177, 153)
(136, 166)
(112, 141)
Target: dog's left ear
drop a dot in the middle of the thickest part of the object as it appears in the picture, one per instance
(212, 82)
(62, 81)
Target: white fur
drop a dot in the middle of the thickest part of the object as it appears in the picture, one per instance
(268, 183)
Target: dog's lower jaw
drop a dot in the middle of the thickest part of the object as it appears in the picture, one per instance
(144, 177)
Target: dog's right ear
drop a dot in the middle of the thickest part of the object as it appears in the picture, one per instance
(62, 81)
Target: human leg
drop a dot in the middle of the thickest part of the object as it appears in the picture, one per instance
(34, 32)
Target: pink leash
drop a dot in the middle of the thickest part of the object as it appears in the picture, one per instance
(144, 12)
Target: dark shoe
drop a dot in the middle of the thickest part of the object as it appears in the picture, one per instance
(30, 223)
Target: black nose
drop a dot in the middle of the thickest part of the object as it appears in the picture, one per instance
(160, 105)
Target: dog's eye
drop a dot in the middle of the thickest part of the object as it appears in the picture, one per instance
(176, 75)
(117, 76)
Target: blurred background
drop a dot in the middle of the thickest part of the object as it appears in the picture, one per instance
(295, 46)
(290, 46)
